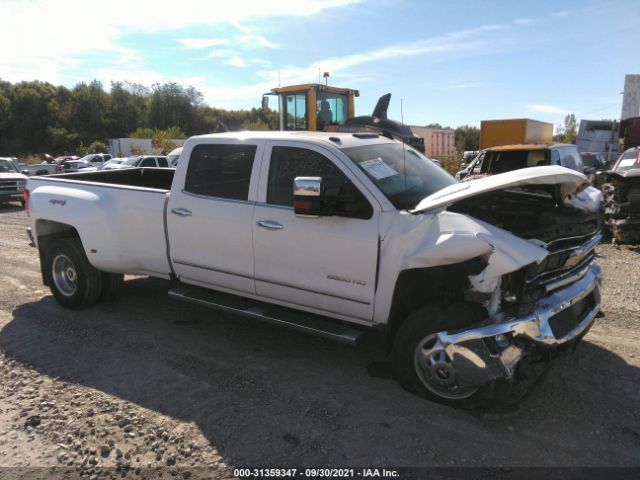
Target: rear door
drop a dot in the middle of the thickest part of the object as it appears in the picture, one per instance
(327, 264)
(210, 213)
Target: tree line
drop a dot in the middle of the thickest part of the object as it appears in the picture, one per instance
(38, 117)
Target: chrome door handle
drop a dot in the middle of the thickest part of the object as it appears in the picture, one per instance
(183, 212)
(270, 225)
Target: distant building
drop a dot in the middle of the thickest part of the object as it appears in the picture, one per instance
(437, 141)
(599, 136)
(631, 97)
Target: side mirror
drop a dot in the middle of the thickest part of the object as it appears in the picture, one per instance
(25, 172)
(463, 165)
(307, 196)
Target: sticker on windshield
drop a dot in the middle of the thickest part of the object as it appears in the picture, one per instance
(627, 162)
(378, 169)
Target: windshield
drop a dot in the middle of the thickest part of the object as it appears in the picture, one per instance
(131, 161)
(628, 160)
(405, 179)
(8, 166)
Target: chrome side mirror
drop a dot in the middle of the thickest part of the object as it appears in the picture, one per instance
(307, 196)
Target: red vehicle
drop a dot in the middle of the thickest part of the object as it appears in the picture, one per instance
(630, 133)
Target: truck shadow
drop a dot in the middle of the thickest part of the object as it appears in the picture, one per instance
(267, 396)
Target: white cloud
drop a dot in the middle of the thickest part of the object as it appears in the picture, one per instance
(255, 41)
(198, 43)
(43, 52)
(220, 53)
(143, 77)
(236, 62)
(542, 108)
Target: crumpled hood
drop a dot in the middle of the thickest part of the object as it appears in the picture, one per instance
(571, 183)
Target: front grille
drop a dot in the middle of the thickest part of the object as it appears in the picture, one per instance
(568, 319)
(568, 260)
(8, 186)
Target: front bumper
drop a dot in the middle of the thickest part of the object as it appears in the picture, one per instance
(558, 320)
(8, 197)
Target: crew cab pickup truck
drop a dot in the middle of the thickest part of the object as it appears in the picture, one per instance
(335, 233)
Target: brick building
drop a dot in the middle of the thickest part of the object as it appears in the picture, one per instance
(437, 141)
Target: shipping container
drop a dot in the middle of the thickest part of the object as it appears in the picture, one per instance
(514, 131)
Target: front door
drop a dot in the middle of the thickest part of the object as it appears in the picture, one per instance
(327, 264)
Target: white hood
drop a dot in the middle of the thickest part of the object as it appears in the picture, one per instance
(12, 176)
(571, 181)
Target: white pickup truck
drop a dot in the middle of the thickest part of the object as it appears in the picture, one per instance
(331, 233)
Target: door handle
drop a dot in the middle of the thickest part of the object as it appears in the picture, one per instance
(183, 212)
(270, 225)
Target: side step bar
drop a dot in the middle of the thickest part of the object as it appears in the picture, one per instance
(284, 317)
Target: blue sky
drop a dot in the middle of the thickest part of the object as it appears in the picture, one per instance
(455, 62)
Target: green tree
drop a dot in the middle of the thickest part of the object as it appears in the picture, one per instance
(161, 139)
(34, 107)
(127, 110)
(89, 106)
(568, 132)
(174, 105)
(467, 138)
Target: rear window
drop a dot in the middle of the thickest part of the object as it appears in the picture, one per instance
(221, 171)
(508, 160)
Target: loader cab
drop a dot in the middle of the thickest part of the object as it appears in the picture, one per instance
(314, 107)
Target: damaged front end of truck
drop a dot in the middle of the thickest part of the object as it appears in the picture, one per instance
(540, 285)
(621, 204)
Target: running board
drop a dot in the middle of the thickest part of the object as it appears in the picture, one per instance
(284, 317)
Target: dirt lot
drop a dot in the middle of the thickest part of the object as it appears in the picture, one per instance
(144, 381)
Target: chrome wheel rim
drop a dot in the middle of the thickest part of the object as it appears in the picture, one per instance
(64, 275)
(435, 370)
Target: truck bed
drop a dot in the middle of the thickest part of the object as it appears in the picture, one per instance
(156, 178)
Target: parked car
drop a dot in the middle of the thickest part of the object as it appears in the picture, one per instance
(74, 165)
(109, 163)
(141, 161)
(65, 157)
(506, 158)
(44, 168)
(621, 197)
(173, 156)
(12, 181)
(335, 233)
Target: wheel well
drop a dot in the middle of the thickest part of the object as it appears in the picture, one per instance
(48, 232)
(418, 287)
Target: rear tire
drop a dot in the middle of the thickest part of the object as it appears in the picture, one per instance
(111, 283)
(422, 367)
(74, 282)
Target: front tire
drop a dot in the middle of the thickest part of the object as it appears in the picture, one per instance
(74, 282)
(421, 364)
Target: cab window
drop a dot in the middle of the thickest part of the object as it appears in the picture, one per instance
(332, 109)
(295, 111)
(220, 170)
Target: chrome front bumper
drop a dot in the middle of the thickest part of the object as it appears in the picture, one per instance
(476, 363)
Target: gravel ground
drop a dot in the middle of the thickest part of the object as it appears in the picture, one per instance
(145, 384)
